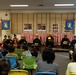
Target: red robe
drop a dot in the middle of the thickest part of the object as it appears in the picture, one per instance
(15, 41)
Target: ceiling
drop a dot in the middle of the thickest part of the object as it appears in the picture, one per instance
(37, 4)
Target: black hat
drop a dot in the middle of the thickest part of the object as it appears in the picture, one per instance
(14, 34)
(5, 36)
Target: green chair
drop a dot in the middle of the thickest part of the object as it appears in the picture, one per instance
(18, 52)
(29, 63)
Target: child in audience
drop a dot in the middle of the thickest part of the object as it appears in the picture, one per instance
(4, 66)
(47, 65)
(26, 52)
(72, 65)
(11, 53)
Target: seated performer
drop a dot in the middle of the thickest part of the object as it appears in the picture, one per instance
(37, 43)
(22, 41)
(65, 42)
(50, 41)
(9, 41)
(5, 38)
(72, 47)
(15, 40)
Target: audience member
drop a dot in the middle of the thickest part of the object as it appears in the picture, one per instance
(4, 66)
(71, 67)
(11, 53)
(26, 52)
(47, 65)
(4, 50)
(1, 56)
(65, 42)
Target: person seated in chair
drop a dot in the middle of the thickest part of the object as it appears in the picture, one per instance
(26, 52)
(22, 41)
(5, 66)
(37, 43)
(5, 38)
(65, 42)
(15, 41)
(72, 47)
(1, 56)
(9, 41)
(50, 41)
(11, 50)
(47, 64)
(71, 67)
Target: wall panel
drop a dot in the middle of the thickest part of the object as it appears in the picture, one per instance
(64, 18)
(20, 24)
(14, 23)
(58, 21)
(44, 21)
(53, 21)
(30, 20)
(19, 19)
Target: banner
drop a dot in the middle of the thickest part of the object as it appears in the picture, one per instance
(69, 25)
(5, 24)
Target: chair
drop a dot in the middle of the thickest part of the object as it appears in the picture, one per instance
(72, 73)
(18, 72)
(45, 73)
(13, 61)
(18, 52)
(29, 63)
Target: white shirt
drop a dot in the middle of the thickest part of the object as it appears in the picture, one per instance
(71, 68)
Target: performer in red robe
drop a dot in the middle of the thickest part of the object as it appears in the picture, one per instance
(5, 38)
(15, 41)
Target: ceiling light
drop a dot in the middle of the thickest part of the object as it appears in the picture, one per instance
(63, 4)
(18, 5)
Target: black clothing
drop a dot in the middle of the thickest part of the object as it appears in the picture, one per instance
(37, 44)
(8, 42)
(4, 52)
(22, 42)
(50, 42)
(65, 43)
(72, 44)
(37, 41)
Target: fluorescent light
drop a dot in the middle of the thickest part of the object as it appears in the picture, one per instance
(63, 4)
(18, 5)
